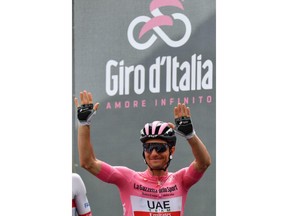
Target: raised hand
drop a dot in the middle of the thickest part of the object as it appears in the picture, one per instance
(85, 110)
(184, 126)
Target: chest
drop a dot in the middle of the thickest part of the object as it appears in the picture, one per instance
(156, 188)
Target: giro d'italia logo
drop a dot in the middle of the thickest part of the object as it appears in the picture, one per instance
(154, 23)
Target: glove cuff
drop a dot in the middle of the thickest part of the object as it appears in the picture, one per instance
(189, 136)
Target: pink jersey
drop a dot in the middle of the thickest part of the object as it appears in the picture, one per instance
(80, 204)
(145, 195)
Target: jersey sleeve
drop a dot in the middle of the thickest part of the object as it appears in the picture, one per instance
(80, 198)
(190, 176)
(117, 175)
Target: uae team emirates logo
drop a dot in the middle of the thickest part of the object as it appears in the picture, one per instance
(155, 23)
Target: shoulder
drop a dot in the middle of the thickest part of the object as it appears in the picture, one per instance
(115, 174)
(187, 171)
(188, 175)
(77, 184)
(123, 169)
(76, 178)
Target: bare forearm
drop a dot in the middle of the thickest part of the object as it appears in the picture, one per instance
(86, 153)
(200, 152)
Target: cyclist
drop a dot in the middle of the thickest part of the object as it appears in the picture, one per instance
(154, 190)
(80, 204)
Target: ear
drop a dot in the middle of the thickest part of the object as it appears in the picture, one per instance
(172, 150)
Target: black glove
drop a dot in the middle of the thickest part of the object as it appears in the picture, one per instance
(85, 113)
(184, 127)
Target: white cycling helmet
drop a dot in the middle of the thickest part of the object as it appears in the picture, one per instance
(158, 130)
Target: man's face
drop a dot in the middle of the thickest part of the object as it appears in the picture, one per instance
(156, 160)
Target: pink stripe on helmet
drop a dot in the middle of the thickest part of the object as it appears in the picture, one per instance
(146, 128)
(163, 126)
(154, 125)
